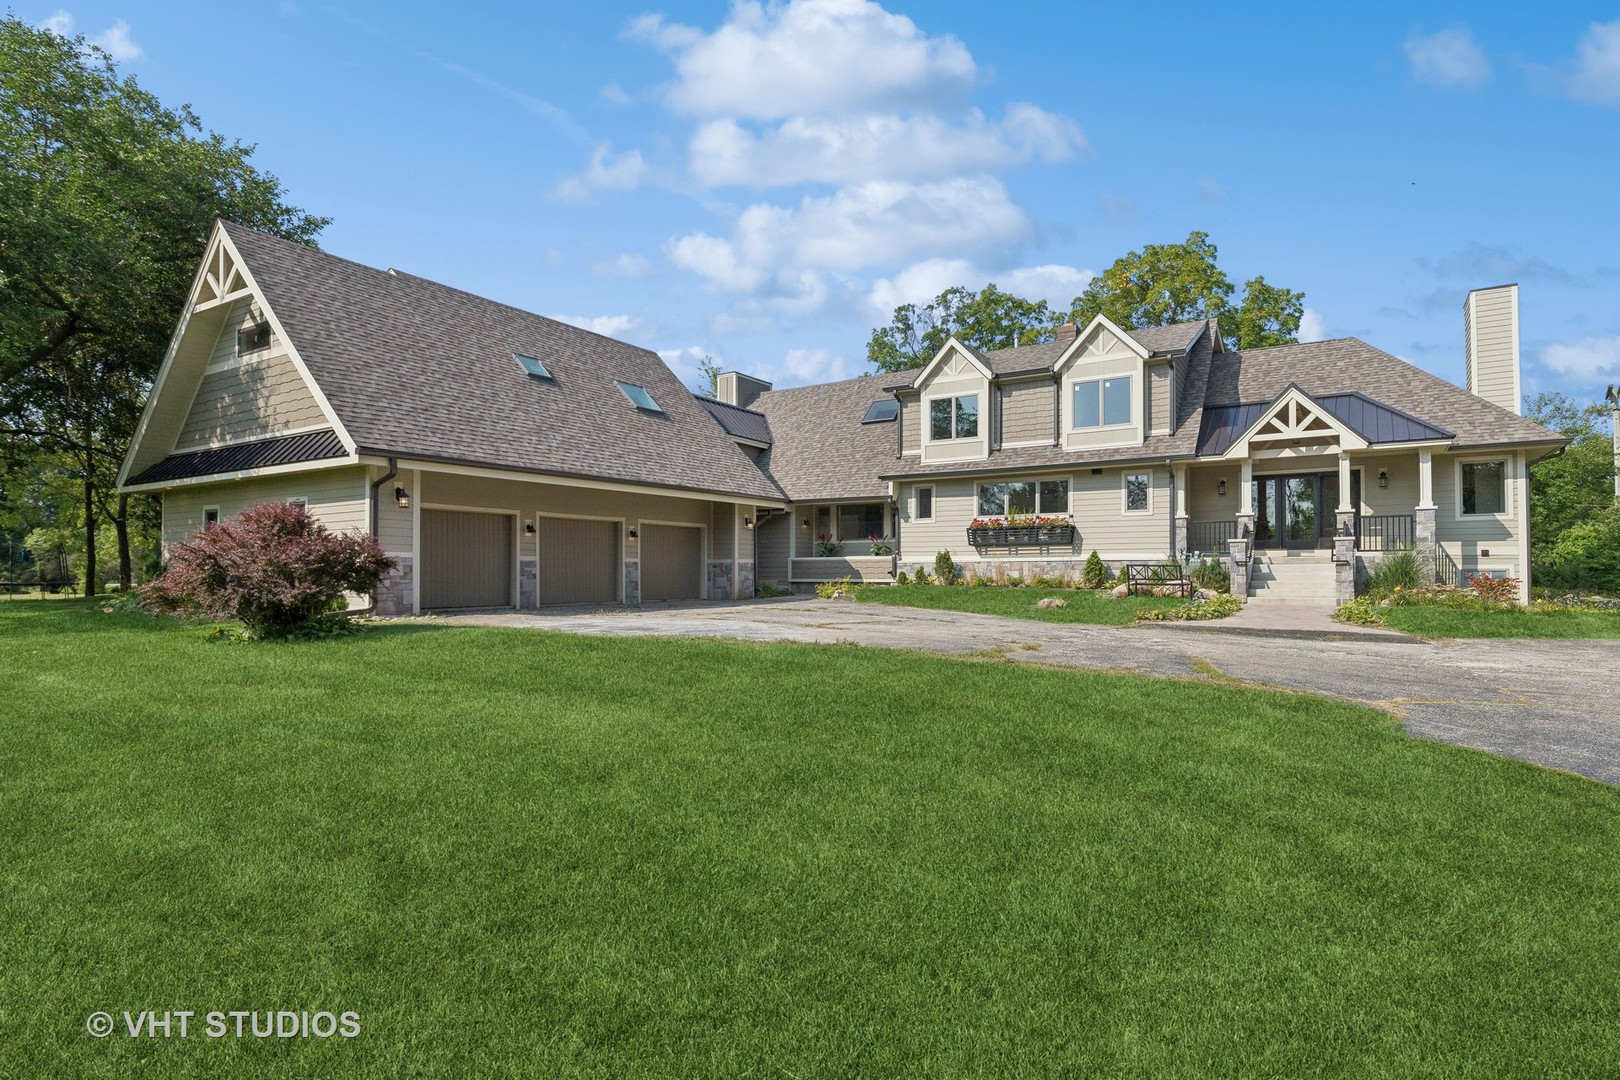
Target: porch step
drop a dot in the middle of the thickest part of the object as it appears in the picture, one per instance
(1292, 575)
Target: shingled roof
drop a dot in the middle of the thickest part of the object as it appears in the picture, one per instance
(421, 370)
(821, 448)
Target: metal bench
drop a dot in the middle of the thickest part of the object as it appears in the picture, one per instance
(1154, 576)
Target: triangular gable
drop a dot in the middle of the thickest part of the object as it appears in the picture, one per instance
(1098, 338)
(970, 358)
(1294, 417)
(222, 284)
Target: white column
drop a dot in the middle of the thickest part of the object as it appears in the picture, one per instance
(1246, 490)
(1345, 505)
(1425, 480)
(1522, 492)
(1179, 478)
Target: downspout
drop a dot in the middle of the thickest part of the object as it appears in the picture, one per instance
(1170, 470)
(393, 471)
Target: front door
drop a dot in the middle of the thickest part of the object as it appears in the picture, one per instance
(1288, 511)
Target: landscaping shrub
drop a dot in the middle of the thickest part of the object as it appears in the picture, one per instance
(922, 577)
(829, 589)
(1213, 575)
(902, 578)
(275, 568)
(1494, 590)
(880, 545)
(1396, 570)
(945, 568)
(1363, 611)
(827, 547)
(1095, 575)
(1586, 556)
(1216, 607)
(771, 588)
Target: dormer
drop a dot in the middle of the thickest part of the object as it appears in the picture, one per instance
(1104, 389)
(955, 415)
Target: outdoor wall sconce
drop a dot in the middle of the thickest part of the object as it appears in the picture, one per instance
(805, 523)
(748, 523)
(632, 534)
(528, 528)
(1220, 488)
(1383, 478)
(402, 498)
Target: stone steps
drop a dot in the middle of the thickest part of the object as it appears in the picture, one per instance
(1292, 575)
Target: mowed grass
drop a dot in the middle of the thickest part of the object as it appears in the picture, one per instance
(1083, 605)
(516, 853)
(1440, 622)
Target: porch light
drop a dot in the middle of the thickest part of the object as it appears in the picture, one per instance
(632, 534)
(528, 528)
(748, 523)
(805, 523)
(1383, 478)
(402, 498)
(1220, 488)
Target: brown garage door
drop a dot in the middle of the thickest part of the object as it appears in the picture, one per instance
(579, 561)
(466, 559)
(671, 562)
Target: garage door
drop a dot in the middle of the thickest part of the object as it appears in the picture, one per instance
(579, 561)
(671, 562)
(466, 559)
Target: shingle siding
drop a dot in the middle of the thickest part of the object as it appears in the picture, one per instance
(256, 395)
(1025, 412)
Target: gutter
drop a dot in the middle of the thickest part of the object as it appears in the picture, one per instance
(393, 471)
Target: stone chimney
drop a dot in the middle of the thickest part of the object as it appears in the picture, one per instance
(1066, 333)
(1491, 338)
(735, 388)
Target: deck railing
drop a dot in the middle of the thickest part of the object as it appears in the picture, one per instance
(1386, 532)
(1211, 535)
(1446, 570)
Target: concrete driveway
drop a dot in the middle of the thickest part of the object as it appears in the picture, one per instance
(1550, 702)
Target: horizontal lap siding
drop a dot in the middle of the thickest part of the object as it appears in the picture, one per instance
(336, 498)
(260, 395)
(1464, 537)
(771, 548)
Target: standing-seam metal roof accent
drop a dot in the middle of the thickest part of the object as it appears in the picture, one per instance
(1373, 420)
(286, 450)
(738, 422)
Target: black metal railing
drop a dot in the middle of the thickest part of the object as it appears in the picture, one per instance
(1446, 570)
(1211, 535)
(1386, 532)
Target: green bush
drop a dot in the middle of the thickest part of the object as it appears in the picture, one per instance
(945, 568)
(771, 588)
(1217, 607)
(1586, 556)
(902, 578)
(1363, 611)
(1213, 575)
(829, 589)
(1095, 575)
(922, 577)
(1396, 571)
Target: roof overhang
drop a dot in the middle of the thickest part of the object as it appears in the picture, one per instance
(536, 476)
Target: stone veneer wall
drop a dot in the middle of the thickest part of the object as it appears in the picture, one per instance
(720, 580)
(745, 579)
(1023, 569)
(528, 583)
(632, 581)
(396, 593)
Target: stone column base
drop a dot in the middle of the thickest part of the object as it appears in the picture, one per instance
(1239, 551)
(396, 592)
(1424, 541)
(632, 581)
(528, 584)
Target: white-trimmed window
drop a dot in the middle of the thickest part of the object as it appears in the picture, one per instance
(1482, 487)
(210, 516)
(1100, 403)
(1023, 497)
(1138, 493)
(953, 417)
(925, 503)
(299, 501)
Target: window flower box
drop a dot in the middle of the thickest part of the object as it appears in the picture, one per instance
(1020, 532)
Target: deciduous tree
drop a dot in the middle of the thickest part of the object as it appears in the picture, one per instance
(988, 319)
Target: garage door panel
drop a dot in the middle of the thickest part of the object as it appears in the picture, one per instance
(579, 561)
(671, 562)
(467, 559)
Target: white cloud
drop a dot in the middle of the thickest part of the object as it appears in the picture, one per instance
(1449, 58)
(882, 223)
(606, 325)
(1589, 358)
(807, 56)
(802, 366)
(921, 282)
(604, 173)
(683, 362)
(1055, 283)
(1312, 327)
(114, 41)
(627, 265)
(851, 149)
(1595, 76)
(117, 43)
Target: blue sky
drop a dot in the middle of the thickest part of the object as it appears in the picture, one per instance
(763, 183)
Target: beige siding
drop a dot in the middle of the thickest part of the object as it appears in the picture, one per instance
(911, 424)
(1467, 538)
(396, 525)
(1157, 420)
(1178, 369)
(1096, 504)
(335, 497)
(1401, 497)
(1026, 413)
(1492, 345)
(249, 397)
(722, 531)
(771, 540)
(1204, 501)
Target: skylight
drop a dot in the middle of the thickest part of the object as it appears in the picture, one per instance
(880, 410)
(532, 366)
(639, 397)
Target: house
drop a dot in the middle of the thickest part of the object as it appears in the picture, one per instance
(509, 460)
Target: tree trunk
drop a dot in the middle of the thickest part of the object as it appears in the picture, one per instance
(89, 531)
(126, 573)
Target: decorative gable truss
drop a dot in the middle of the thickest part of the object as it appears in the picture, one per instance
(1295, 425)
(270, 398)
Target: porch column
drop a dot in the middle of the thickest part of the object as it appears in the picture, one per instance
(1178, 480)
(1245, 514)
(1423, 532)
(1346, 509)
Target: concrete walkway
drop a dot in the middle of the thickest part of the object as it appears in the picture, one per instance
(1549, 702)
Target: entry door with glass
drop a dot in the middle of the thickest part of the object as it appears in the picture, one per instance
(1286, 511)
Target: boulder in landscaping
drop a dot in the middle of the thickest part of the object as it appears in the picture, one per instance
(1051, 602)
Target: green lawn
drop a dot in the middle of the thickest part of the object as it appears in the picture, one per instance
(1084, 605)
(515, 853)
(1441, 622)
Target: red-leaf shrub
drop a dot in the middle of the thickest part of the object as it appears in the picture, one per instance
(274, 567)
(1496, 590)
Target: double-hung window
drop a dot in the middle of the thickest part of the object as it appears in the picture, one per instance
(1102, 402)
(1484, 487)
(954, 417)
(1024, 497)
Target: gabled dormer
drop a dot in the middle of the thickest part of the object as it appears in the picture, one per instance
(955, 405)
(1104, 396)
